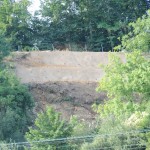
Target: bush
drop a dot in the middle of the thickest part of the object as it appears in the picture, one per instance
(49, 125)
(118, 125)
(15, 107)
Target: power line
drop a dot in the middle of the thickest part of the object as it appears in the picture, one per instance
(101, 147)
(76, 138)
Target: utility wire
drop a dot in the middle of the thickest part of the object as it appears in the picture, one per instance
(99, 147)
(76, 138)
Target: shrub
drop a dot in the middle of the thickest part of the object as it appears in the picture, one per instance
(15, 107)
(49, 125)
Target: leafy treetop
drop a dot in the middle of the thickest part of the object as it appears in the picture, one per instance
(138, 39)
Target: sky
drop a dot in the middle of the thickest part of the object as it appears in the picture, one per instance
(35, 6)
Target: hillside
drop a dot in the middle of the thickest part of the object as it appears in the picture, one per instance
(63, 79)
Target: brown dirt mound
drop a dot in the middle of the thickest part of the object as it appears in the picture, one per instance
(69, 98)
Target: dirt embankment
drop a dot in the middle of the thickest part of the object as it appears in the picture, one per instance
(69, 98)
(64, 80)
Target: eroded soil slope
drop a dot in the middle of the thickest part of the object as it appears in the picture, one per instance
(64, 80)
(69, 98)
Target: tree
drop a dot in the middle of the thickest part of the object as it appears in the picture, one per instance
(127, 80)
(127, 84)
(15, 107)
(138, 39)
(94, 24)
(81, 24)
(14, 20)
(49, 125)
(128, 88)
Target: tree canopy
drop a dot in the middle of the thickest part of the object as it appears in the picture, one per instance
(127, 84)
(73, 24)
(138, 39)
(15, 21)
(93, 25)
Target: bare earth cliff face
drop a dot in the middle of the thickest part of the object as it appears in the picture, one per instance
(62, 79)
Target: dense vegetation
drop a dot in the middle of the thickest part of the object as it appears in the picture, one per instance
(128, 88)
(74, 24)
(16, 102)
(15, 107)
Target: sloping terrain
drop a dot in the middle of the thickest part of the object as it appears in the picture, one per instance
(63, 79)
(48, 66)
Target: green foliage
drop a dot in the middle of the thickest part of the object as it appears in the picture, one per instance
(115, 108)
(128, 86)
(4, 45)
(116, 115)
(138, 39)
(7, 146)
(116, 126)
(118, 141)
(93, 24)
(15, 107)
(127, 80)
(84, 24)
(80, 128)
(49, 125)
(27, 48)
(14, 21)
